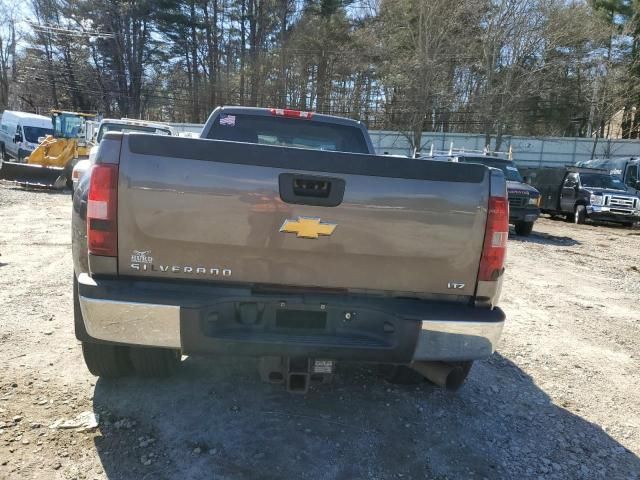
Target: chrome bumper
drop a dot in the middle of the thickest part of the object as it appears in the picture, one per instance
(155, 325)
(451, 340)
(132, 323)
(601, 209)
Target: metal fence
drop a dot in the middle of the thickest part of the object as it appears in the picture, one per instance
(527, 151)
(530, 151)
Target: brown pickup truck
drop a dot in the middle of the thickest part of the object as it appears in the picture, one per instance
(281, 235)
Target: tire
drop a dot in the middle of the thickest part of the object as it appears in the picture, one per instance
(68, 171)
(107, 361)
(154, 362)
(580, 214)
(402, 375)
(524, 228)
(5, 157)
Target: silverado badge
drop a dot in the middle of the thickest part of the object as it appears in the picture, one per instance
(307, 227)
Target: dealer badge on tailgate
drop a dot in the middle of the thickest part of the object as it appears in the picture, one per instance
(142, 261)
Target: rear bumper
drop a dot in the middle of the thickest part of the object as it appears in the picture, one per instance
(234, 320)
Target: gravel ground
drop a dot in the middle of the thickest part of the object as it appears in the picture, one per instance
(560, 398)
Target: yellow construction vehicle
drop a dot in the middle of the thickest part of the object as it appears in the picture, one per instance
(51, 163)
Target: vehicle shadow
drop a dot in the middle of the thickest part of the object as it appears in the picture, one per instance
(595, 223)
(26, 188)
(543, 239)
(613, 225)
(215, 419)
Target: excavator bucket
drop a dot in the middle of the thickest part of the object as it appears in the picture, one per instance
(35, 176)
(49, 165)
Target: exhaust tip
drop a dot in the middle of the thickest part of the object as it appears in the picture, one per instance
(455, 379)
(448, 376)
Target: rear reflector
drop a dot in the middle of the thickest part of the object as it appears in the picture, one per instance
(280, 112)
(495, 240)
(102, 226)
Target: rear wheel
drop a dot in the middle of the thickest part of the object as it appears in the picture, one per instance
(401, 375)
(524, 228)
(108, 361)
(580, 214)
(68, 174)
(154, 362)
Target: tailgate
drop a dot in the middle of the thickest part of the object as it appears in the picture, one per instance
(212, 211)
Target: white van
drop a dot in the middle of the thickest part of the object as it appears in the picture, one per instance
(19, 133)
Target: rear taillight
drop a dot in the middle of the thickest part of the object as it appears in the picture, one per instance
(495, 240)
(283, 112)
(102, 225)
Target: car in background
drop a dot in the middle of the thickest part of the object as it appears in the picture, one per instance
(524, 200)
(582, 193)
(627, 169)
(21, 133)
(116, 125)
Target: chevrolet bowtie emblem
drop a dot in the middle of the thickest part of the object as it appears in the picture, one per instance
(307, 227)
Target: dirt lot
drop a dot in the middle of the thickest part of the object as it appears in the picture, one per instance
(560, 398)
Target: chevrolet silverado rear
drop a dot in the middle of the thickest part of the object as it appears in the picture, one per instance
(281, 235)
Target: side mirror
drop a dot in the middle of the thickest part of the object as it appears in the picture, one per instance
(17, 138)
(526, 179)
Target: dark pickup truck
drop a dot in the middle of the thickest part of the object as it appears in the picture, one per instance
(281, 235)
(626, 169)
(581, 193)
(524, 200)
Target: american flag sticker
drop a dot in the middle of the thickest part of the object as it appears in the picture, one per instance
(229, 120)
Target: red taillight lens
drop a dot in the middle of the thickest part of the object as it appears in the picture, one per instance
(283, 112)
(495, 240)
(102, 226)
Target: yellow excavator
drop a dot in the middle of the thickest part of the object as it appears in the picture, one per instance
(51, 163)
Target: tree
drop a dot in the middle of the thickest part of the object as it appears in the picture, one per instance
(7, 51)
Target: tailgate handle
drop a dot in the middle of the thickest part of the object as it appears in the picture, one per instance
(311, 189)
(304, 187)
